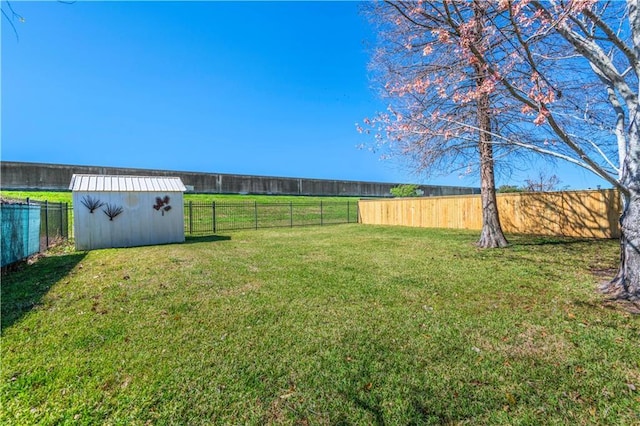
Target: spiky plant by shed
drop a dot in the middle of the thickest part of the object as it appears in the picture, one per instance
(91, 203)
(112, 210)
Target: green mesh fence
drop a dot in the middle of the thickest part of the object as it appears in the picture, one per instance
(20, 231)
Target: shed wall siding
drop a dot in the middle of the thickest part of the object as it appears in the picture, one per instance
(139, 224)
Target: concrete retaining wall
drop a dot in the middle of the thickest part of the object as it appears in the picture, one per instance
(56, 177)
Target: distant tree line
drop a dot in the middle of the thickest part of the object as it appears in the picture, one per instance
(542, 183)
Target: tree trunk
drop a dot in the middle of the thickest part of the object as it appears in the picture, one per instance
(626, 283)
(491, 235)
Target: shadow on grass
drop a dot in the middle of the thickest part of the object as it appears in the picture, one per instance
(627, 306)
(373, 408)
(23, 288)
(206, 239)
(421, 413)
(524, 240)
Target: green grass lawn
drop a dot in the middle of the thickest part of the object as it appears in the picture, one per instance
(51, 196)
(346, 324)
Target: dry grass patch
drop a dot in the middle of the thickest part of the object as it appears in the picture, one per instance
(531, 341)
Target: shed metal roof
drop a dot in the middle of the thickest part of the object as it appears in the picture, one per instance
(106, 183)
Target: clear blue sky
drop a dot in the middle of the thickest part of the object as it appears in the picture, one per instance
(272, 88)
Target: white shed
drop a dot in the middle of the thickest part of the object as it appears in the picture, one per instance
(126, 211)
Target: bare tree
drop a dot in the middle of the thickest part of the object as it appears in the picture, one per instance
(575, 66)
(431, 77)
(542, 183)
(563, 80)
(11, 16)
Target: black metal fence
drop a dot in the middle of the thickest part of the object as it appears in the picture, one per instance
(55, 219)
(54, 223)
(213, 217)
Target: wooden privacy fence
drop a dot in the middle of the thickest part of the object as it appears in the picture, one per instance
(590, 214)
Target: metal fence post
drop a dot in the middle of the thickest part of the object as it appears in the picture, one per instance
(213, 208)
(26, 250)
(348, 215)
(255, 204)
(321, 221)
(46, 221)
(190, 217)
(61, 225)
(65, 224)
(69, 222)
(291, 213)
